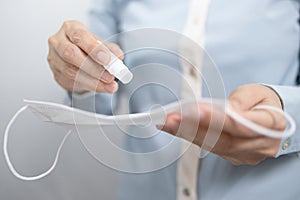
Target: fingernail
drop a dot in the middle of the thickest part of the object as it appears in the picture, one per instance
(107, 77)
(111, 88)
(103, 57)
(177, 119)
(170, 123)
(202, 114)
(198, 113)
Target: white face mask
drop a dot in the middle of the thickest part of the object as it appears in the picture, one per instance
(63, 115)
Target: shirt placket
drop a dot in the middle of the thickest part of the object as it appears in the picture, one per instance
(188, 164)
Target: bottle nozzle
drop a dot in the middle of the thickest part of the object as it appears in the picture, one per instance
(125, 76)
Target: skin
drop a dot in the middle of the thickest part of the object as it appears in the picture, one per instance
(236, 143)
(77, 59)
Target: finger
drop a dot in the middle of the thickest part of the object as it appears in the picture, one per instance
(242, 149)
(243, 101)
(172, 124)
(67, 75)
(202, 115)
(55, 61)
(216, 141)
(79, 35)
(208, 139)
(84, 81)
(186, 128)
(242, 98)
(233, 161)
(71, 54)
(93, 69)
(52, 56)
(215, 118)
(266, 118)
(223, 143)
(116, 50)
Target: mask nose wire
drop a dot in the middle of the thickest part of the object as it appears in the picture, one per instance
(6, 155)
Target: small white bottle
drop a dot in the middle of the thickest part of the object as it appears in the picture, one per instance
(117, 68)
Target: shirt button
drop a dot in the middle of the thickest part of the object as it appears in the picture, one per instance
(286, 144)
(195, 21)
(193, 72)
(186, 192)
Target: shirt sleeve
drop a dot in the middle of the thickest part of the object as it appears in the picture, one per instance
(92, 102)
(103, 19)
(290, 96)
(103, 23)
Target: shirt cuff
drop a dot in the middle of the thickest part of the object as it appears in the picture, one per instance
(290, 97)
(92, 102)
(85, 101)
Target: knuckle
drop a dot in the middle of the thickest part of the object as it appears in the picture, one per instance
(270, 152)
(49, 58)
(66, 24)
(71, 73)
(51, 40)
(240, 162)
(78, 35)
(99, 87)
(252, 162)
(69, 85)
(63, 82)
(281, 125)
(71, 23)
(235, 163)
(53, 67)
(56, 77)
(68, 52)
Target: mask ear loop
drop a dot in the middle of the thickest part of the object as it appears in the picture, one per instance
(261, 129)
(8, 161)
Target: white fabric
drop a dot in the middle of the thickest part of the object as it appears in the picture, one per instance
(9, 163)
(61, 114)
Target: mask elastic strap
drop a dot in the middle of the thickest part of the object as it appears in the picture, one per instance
(6, 155)
(261, 129)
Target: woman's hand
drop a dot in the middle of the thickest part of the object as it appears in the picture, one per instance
(235, 143)
(77, 59)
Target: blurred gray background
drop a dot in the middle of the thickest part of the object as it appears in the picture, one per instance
(25, 28)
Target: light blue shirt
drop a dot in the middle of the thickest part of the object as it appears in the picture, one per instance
(251, 41)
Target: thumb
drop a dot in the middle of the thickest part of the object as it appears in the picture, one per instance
(246, 97)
